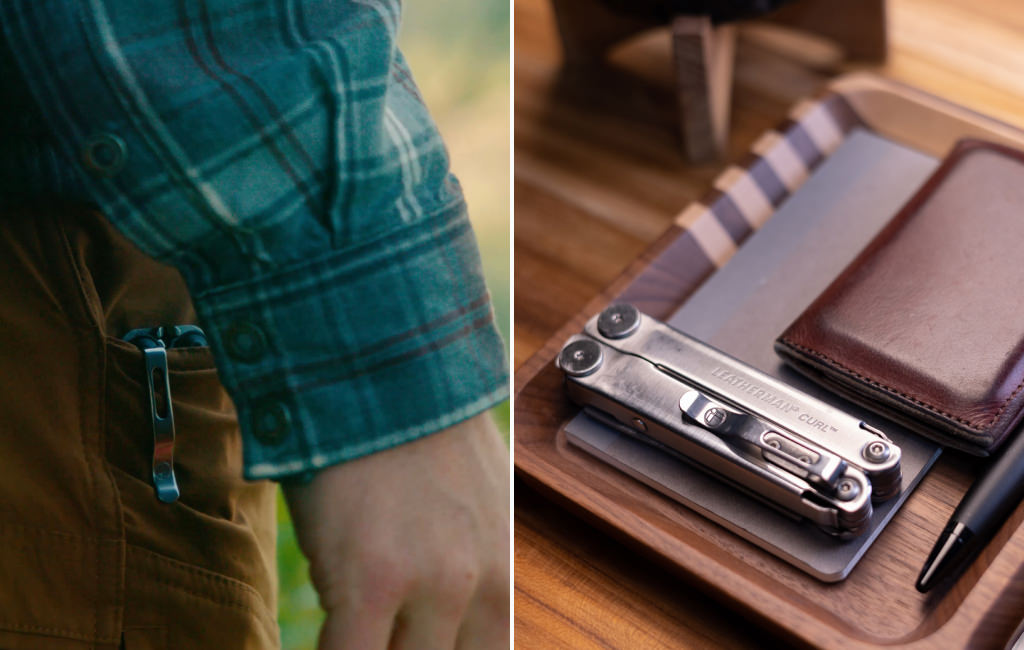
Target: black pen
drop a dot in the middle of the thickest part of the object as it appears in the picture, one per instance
(983, 509)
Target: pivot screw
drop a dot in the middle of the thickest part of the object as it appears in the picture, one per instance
(848, 489)
(618, 321)
(876, 451)
(580, 358)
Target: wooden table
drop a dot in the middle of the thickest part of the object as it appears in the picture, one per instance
(599, 174)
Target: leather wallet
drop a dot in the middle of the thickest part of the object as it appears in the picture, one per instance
(926, 325)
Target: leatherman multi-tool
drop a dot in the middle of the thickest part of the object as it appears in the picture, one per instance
(782, 446)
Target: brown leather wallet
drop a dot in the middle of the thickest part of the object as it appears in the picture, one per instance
(926, 325)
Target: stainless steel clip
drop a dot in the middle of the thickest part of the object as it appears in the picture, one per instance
(796, 452)
(154, 343)
(162, 416)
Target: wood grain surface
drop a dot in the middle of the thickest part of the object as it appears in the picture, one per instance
(599, 177)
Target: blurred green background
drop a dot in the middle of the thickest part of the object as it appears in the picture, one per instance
(459, 54)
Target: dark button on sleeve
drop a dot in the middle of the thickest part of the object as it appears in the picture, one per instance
(245, 342)
(271, 423)
(104, 154)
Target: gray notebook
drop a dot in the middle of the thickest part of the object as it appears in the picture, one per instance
(747, 303)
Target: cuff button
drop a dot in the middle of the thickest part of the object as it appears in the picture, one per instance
(271, 423)
(104, 154)
(245, 342)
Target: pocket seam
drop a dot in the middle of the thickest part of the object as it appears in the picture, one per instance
(88, 296)
(239, 595)
(202, 356)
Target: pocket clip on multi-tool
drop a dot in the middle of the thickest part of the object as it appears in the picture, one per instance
(153, 342)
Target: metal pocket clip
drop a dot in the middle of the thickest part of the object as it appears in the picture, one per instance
(153, 343)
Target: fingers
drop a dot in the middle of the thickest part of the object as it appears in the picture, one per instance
(478, 624)
(423, 625)
(456, 609)
(352, 629)
(438, 602)
(362, 594)
(485, 625)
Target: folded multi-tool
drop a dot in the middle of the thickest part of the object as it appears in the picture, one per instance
(789, 449)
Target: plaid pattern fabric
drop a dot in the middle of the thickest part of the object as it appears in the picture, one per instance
(279, 155)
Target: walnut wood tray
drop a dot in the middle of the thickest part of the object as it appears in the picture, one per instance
(877, 605)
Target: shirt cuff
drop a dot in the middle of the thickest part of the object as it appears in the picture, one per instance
(359, 350)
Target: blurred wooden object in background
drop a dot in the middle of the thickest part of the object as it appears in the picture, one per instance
(702, 52)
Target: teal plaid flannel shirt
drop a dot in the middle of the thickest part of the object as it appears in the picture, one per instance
(278, 154)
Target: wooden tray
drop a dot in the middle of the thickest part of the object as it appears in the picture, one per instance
(877, 604)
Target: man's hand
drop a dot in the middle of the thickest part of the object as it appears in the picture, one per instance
(409, 547)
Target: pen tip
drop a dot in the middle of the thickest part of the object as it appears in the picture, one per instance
(945, 556)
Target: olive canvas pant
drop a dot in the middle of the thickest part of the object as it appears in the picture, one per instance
(89, 558)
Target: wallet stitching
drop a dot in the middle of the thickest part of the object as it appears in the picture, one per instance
(979, 427)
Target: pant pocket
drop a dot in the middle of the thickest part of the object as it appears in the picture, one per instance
(221, 523)
(213, 548)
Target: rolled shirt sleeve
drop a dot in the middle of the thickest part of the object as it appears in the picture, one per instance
(360, 349)
(279, 155)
